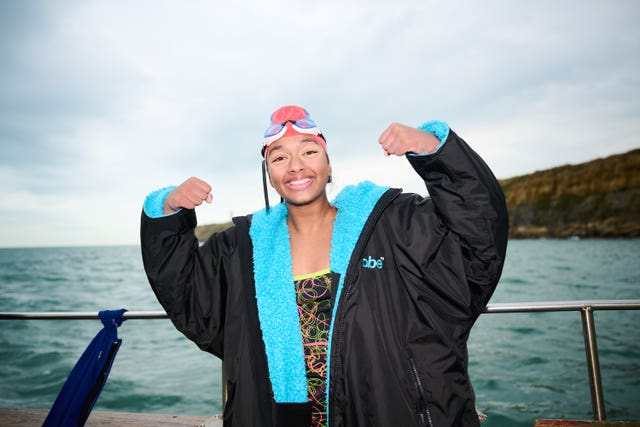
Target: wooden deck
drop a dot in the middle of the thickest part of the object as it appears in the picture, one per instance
(582, 423)
(20, 417)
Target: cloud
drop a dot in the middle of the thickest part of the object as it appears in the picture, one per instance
(104, 102)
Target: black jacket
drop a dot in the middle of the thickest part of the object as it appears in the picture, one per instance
(418, 276)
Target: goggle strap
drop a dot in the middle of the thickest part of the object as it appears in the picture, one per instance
(264, 185)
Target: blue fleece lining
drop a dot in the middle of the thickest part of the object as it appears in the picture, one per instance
(275, 292)
(277, 305)
(438, 129)
(153, 204)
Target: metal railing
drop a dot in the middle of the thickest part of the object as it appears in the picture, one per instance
(586, 309)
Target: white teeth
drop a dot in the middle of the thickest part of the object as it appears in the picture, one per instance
(300, 181)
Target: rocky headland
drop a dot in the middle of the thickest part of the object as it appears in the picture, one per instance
(600, 198)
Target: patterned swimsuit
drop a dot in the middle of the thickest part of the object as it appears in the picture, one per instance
(313, 293)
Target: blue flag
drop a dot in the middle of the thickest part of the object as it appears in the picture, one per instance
(87, 378)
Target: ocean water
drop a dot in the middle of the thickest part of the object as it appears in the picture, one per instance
(524, 366)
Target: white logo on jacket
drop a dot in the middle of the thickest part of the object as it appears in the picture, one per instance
(373, 263)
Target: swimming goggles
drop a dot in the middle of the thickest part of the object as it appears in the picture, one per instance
(277, 130)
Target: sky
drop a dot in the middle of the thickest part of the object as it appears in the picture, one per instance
(103, 102)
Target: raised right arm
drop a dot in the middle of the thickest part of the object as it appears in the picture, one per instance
(189, 280)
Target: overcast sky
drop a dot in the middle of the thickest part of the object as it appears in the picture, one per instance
(102, 102)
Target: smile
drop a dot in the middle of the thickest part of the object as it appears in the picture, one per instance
(299, 184)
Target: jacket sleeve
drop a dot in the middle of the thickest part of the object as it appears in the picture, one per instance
(189, 280)
(470, 206)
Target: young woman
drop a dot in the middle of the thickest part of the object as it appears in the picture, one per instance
(354, 312)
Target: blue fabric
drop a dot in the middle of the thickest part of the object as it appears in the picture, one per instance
(154, 203)
(277, 306)
(438, 129)
(275, 291)
(87, 378)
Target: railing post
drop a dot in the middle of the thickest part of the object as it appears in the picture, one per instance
(593, 363)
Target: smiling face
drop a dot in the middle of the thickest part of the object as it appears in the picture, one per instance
(298, 169)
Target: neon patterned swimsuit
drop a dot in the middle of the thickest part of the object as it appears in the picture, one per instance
(313, 294)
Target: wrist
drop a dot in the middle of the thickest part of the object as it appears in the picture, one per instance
(440, 130)
(167, 209)
(437, 128)
(154, 203)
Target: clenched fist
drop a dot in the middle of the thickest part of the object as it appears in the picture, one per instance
(187, 195)
(400, 139)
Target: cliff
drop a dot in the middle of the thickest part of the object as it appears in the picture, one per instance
(600, 198)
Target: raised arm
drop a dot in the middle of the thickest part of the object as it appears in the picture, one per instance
(467, 198)
(189, 280)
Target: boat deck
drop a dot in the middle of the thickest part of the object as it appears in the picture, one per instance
(582, 423)
(21, 417)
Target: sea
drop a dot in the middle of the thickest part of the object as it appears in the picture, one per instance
(524, 366)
